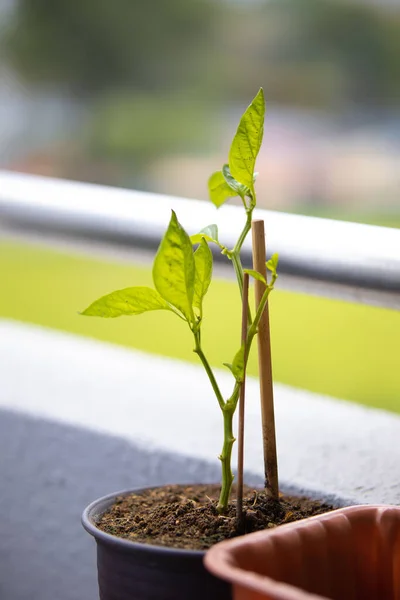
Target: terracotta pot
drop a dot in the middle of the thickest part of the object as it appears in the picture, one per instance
(349, 554)
(133, 571)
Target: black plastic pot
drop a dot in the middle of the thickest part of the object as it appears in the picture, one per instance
(133, 571)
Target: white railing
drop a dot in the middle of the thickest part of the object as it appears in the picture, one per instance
(334, 258)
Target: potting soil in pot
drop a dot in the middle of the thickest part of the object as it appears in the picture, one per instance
(186, 516)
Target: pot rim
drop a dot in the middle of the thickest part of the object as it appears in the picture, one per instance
(92, 510)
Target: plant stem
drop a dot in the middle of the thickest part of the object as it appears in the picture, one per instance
(228, 410)
(198, 350)
(239, 485)
(253, 329)
(237, 265)
(225, 458)
(235, 256)
(245, 231)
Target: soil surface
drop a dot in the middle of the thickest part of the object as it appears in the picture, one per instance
(186, 516)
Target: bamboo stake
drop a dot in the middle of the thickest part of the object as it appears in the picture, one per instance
(239, 488)
(265, 367)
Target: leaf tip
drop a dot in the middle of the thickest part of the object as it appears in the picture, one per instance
(87, 312)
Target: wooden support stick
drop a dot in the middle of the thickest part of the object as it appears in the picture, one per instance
(239, 488)
(265, 367)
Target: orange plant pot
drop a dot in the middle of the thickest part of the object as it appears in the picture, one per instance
(349, 554)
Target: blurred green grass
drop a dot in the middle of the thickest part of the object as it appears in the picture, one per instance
(345, 350)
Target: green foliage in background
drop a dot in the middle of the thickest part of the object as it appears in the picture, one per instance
(328, 53)
(332, 54)
(137, 127)
(345, 350)
(120, 61)
(95, 45)
(363, 44)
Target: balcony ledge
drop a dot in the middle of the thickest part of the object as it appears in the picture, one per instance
(164, 404)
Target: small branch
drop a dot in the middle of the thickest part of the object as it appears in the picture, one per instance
(261, 308)
(208, 369)
(237, 265)
(235, 257)
(238, 270)
(245, 231)
(239, 489)
(243, 199)
(264, 361)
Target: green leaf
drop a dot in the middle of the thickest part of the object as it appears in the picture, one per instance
(173, 268)
(209, 233)
(255, 274)
(203, 262)
(272, 263)
(238, 365)
(218, 189)
(247, 142)
(212, 231)
(130, 301)
(238, 188)
(229, 365)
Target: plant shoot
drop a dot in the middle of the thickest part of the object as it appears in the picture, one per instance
(182, 272)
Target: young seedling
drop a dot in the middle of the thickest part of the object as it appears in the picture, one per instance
(182, 275)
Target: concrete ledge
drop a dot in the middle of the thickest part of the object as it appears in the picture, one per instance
(79, 419)
(168, 405)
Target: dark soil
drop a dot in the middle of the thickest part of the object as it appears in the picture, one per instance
(186, 516)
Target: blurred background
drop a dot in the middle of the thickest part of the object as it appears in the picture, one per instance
(147, 95)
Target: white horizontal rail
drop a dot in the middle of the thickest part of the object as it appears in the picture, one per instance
(350, 260)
